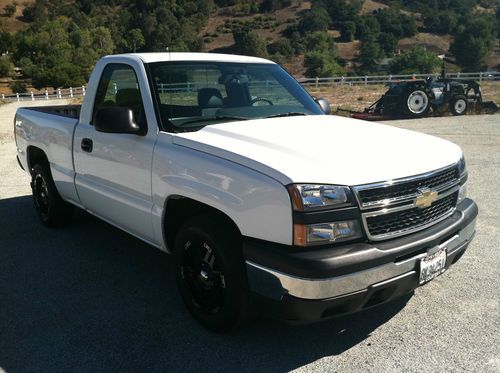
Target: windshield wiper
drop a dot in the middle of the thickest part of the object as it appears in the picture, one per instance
(289, 114)
(211, 119)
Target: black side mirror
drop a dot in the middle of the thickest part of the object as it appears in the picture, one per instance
(324, 104)
(116, 119)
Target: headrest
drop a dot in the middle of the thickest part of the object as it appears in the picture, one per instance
(128, 97)
(209, 97)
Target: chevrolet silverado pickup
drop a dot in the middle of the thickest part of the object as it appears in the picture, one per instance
(265, 202)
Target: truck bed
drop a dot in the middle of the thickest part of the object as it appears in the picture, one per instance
(70, 111)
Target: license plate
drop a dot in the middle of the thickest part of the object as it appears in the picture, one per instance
(432, 266)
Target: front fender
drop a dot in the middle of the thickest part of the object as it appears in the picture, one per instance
(259, 205)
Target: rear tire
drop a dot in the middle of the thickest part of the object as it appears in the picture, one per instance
(52, 210)
(417, 103)
(459, 105)
(211, 274)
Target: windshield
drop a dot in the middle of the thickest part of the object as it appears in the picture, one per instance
(192, 95)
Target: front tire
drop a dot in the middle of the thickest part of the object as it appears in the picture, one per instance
(52, 210)
(211, 274)
(459, 105)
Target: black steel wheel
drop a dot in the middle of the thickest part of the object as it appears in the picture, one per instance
(459, 105)
(50, 207)
(211, 274)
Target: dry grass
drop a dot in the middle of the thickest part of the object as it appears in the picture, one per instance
(15, 22)
(369, 6)
(433, 43)
(282, 18)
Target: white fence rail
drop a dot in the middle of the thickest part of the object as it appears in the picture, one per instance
(306, 82)
(384, 79)
(55, 94)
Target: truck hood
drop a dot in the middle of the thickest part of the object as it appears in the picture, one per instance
(323, 149)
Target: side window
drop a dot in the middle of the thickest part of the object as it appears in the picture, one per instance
(119, 87)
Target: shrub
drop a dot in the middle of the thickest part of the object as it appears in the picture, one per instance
(18, 87)
(417, 60)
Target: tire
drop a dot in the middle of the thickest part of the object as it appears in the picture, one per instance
(52, 210)
(417, 103)
(210, 273)
(459, 105)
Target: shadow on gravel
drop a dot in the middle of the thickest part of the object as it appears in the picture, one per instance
(89, 297)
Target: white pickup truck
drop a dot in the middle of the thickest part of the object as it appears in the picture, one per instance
(229, 164)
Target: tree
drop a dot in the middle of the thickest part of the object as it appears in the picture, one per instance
(281, 46)
(388, 43)
(321, 64)
(134, 40)
(340, 11)
(270, 5)
(348, 31)
(6, 67)
(367, 27)
(248, 42)
(316, 19)
(9, 10)
(370, 52)
(474, 41)
(18, 87)
(415, 61)
(320, 41)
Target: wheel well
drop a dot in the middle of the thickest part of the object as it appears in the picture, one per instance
(34, 156)
(180, 209)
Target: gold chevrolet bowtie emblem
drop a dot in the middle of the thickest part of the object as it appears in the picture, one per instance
(426, 198)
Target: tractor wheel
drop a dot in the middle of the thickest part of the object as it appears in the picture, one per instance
(459, 105)
(417, 103)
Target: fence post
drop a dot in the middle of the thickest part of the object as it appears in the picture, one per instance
(59, 93)
(71, 92)
(83, 91)
(390, 77)
(366, 80)
(32, 96)
(17, 96)
(342, 80)
(317, 82)
(458, 74)
(3, 96)
(481, 76)
(46, 94)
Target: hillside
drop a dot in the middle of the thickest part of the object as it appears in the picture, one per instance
(271, 26)
(56, 42)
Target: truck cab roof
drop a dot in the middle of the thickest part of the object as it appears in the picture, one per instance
(185, 56)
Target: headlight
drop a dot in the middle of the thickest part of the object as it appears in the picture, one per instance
(462, 193)
(324, 233)
(306, 197)
(461, 165)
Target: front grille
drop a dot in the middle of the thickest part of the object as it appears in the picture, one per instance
(410, 219)
(368, 197)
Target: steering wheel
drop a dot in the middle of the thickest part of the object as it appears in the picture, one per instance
(260, 99)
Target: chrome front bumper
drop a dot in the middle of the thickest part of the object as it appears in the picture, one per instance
(275, 284)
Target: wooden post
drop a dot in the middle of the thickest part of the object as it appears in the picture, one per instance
(481, 76)
(366, 80)
(317, 82)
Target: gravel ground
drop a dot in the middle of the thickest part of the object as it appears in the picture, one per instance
(89, 297)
